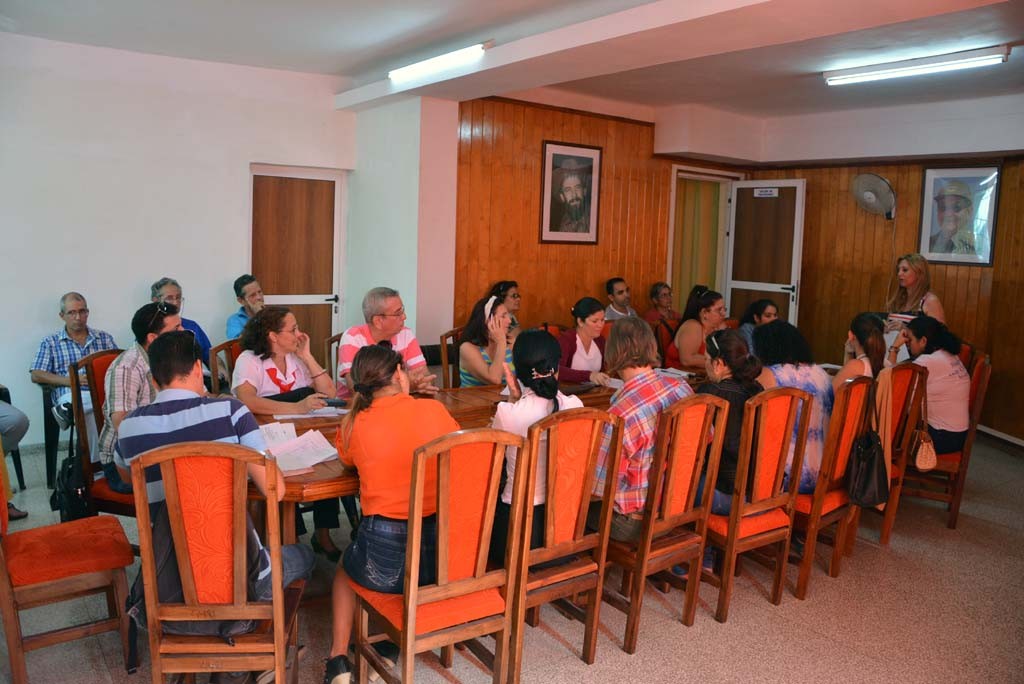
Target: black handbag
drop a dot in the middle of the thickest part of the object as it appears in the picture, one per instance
(69, 487)
(867, 481)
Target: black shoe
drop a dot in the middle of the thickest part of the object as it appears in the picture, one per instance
(333, 556)
(62, 413)
(337, 670)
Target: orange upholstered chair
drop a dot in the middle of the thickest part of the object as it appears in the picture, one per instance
(674, 522)
(967, 356)
(732, 323)
(908, 382)
(102, 499)
(607, 329)
(206, 485)
(555, 330)
(830, 504)
(55, 563)
(450, 368)
(665, 335)
(573, 439)
(468, 600)
(762, 509)
(946, 481)
(229, 351)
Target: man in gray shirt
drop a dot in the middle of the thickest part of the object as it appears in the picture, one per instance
(619, 296)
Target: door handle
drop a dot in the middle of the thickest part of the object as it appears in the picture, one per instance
(334, 299)
(788, 288)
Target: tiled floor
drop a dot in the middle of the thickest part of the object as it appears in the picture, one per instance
(938, 605)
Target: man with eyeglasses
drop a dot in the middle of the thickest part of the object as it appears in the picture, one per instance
(619, 297)
(385, 325)
(250, 295)
(168, 291)
(58, 351)
(129, 383)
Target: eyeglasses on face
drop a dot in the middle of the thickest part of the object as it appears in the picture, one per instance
(77, 313)
(400, 312)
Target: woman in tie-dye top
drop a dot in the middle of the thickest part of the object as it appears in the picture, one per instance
(788, 363)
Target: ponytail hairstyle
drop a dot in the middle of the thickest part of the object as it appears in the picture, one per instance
(372, 369)
(729, 347)
(869, 331)
(937, 334)
(536, 355)
(701, 297)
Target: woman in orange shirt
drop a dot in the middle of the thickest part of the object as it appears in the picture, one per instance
(378, 437)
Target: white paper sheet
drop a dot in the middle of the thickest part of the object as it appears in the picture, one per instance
(325, 412)
(303, 452)
(276, 433)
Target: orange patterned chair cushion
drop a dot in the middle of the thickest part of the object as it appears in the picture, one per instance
(101, 490)
(750, 524)
(54, 552)
(833, 500)
(431, 617)
(570, 468)
(205, 494)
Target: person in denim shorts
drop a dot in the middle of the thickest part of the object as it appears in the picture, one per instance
(378, 437)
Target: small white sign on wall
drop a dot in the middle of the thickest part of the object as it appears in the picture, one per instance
(766, 192)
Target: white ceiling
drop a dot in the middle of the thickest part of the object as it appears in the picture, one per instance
(356, 38)
(786, 79)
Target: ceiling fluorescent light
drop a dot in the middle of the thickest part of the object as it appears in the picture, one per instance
(440, 63)
(916, 67)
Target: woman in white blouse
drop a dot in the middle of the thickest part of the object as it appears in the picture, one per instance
(536, 357)
(583, 347)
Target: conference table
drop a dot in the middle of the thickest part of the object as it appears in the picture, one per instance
(470, 406)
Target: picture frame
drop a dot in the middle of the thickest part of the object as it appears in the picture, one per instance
(959, 207)
(570, 193)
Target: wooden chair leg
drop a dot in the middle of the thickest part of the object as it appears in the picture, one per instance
(447, 657)
(958, 495)
(780, 570)
(407, 665)
(533, 616)
(361, 667)
(627, 577)
(725, 589)
(12, 631)
(692, 588)
(591, 625)
(803, 576)
(851, 532)
(889, 517)
(120, 599)
(499, 670)
(636, 602)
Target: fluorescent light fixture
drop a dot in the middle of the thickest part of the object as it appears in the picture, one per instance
(440, 63)
(916, 67)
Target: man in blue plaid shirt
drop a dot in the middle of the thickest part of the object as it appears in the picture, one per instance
(60, 350)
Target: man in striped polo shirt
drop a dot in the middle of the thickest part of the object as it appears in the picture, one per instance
(182, 412)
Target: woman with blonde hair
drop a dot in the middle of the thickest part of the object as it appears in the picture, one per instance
(913, 294)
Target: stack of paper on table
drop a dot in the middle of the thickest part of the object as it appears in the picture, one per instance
(295, 455)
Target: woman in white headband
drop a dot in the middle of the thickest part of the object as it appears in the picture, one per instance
(484, 344)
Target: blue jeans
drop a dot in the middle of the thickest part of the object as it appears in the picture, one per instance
(721, 503)
(297, 562)
(114, 480)
(376, 559)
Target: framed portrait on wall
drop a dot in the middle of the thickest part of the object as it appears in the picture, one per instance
(958, 215)
(570, 189)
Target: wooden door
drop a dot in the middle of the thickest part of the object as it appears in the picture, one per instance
(765, 245)
(293, 250)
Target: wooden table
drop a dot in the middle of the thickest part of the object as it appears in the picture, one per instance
(470, 406)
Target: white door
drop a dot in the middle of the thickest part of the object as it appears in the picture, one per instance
(765, 239)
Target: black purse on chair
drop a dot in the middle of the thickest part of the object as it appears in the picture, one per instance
(68, 495)
(867, 481)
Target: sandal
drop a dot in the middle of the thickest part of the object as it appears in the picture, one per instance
(15, 513)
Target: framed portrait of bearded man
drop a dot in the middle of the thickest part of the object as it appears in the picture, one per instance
(570, 185)
(958, 215)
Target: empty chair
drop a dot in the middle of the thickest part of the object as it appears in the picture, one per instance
(225, 353)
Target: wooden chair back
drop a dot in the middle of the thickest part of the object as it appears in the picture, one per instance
(607, 329)
(331, 354)
(732, 323)
(205, 488)
(851, 413)
(95, 365)
(468, 466)
(909, 382)
(966, 355)
(567, 446)
(775, 424)
(553, 329)
(229, 351)
(450, 358)
(685, 431)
